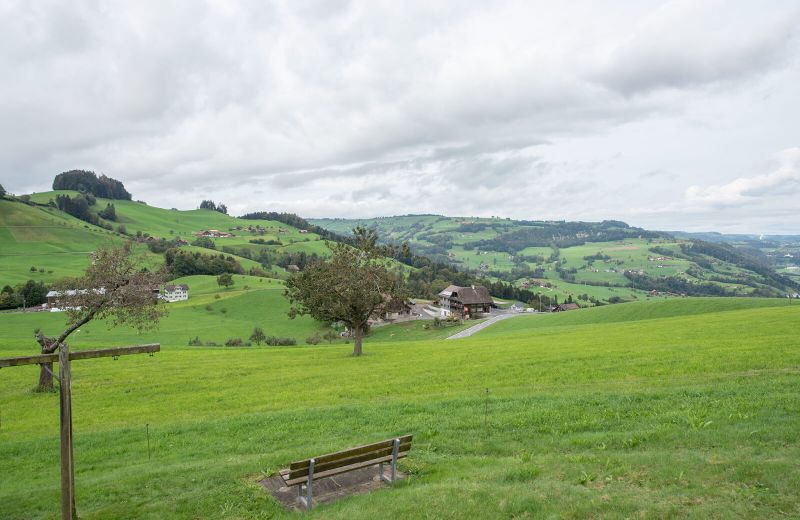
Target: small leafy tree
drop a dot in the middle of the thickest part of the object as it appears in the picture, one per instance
(113, 287)
(352, 286)
(204, 242)
(258, 336)
(109, 213)
(225, 280)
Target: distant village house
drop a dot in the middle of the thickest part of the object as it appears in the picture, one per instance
(213, 233)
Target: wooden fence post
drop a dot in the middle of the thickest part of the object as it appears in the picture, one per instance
(68, 510)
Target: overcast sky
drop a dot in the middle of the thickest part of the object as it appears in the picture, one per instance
(668, 115)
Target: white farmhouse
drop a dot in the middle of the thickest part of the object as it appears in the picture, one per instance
(175, 293)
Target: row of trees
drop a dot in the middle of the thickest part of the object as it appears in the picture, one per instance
(78, 206)
(29, 294)
(209, 204)
(185, 263)
(88, 182)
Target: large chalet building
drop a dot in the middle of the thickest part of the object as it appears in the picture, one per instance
(465, 302)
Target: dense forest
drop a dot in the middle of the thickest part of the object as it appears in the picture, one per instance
(88, 182)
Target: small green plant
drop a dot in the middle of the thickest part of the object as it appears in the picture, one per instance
(586, 478)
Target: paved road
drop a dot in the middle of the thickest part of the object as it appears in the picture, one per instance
(480, 326)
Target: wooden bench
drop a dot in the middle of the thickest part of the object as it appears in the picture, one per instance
(303, 473)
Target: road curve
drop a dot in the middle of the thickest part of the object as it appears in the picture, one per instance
(480, 326)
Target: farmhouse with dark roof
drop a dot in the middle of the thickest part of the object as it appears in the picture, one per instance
(466, 302)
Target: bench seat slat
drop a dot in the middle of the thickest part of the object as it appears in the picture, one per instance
(352, 459)
(348, 453)
(343, 469)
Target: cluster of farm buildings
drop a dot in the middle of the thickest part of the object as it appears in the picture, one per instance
(58, 301)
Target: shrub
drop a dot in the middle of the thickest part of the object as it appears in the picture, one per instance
(276, 341)
(234, 342)
(195, 342)
(314, 340)
(330, 336)
(258, 336)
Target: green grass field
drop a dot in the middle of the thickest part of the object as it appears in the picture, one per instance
(674, 409)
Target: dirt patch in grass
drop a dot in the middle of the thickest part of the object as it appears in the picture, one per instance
(330, 489)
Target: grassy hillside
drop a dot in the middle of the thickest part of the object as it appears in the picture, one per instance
(587, 261)
(635, 311)
(57, 245)
(661, 414)
(46, 239)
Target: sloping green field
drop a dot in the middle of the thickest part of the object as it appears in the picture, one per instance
(664, 413)
(57, 245)
(45, 239)
(635, 311)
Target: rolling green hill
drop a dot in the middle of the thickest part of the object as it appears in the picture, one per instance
(46, 239)
(57, 245)
(587, 261)
(663, 413)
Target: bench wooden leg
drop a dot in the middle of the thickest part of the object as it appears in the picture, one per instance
(307, 500)
(395, 450)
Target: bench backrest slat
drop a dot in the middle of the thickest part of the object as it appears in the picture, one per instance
(343, 469)
(343, 458)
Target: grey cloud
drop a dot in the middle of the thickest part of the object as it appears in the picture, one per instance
(675, 51)
(390, 106)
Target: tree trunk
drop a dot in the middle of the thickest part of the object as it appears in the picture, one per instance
(358, 331)
(45, 378)
(46, 369)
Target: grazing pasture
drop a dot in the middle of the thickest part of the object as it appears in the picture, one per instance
(648, 410)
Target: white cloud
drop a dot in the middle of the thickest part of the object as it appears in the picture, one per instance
(526, 109)
(783, 181)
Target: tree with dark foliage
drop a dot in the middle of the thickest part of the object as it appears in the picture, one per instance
(88, 182)
(225, 280)
(113, 287)
(208, 204)
(109, 213)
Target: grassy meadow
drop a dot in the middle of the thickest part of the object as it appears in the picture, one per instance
(669, 409)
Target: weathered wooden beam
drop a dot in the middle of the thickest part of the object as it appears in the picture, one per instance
(82, 354)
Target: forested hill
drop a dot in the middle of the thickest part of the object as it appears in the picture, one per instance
(593, 261)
